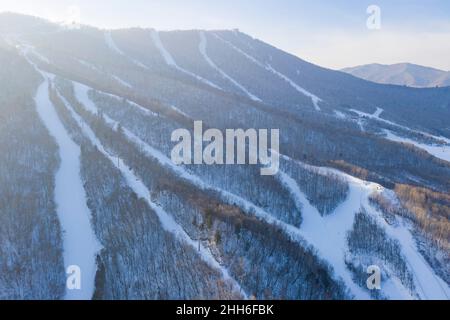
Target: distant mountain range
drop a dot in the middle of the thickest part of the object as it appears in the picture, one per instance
(407, 74)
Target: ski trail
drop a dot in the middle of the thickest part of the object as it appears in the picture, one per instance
(122, 82)
(202, 49)
(80, 243)
(315, 99)
(294, 233)
(341, 219)
(376, 116)
(328, 236)
(112, 45)
(171, 62)
(343, 116)
(378, 113)
(166, 220)
(116, 78)
(429, 284)
(441, 152)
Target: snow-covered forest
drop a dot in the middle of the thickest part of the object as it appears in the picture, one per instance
(86, 178)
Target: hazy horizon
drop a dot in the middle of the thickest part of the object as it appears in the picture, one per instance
(324, 33)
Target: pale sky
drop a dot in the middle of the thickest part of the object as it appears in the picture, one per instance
(330, 33)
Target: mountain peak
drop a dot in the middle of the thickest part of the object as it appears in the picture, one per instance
(403, 73)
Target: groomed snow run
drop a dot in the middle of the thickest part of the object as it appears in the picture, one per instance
(376, 116)
(171, 62)
(311, 230)
(202, 48)
(113, 47)
(328, 235)
(428, 284)
(439, 151)
(315, 99)
(294, 233)
(79, 241)
(136, 184)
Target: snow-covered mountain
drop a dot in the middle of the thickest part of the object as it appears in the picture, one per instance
(404, 74)
(86, 179)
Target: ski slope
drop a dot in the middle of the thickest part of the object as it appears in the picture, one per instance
(315, 99)
(428, 284)
(328, 236)
(331, 247)
(170, 61)
(113, 47)
(294, 233)
(441, 152)
(202, 48)
(80, 243)
(136, 184)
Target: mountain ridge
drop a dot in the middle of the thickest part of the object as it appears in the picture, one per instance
(407, 74)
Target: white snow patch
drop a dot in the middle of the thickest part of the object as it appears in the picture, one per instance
(428, 283)
(378, 112)
(343, 116)
(113, 46)
(80, 243)
(166, 220)
(376, 116)
(171, 62)
(202, 49)
(293, 232)
(341, 219)
(122, 82)
(315, 99)
(328, 235)
(441, 152)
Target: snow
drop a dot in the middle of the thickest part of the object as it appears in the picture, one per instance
(315, 99)
(376, 116)
(80, 243)
(116, 78)
(166, 220)
(202, 49)
(112, 45)
(313, 227)
(441, 152)
(428, 283)
(171, 62)
(378, 113)
(89, 65)
(343, 116)
(293, 232)
(328, 234)
(122, 82)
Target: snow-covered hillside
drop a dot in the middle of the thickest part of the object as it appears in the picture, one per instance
(86, 119)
